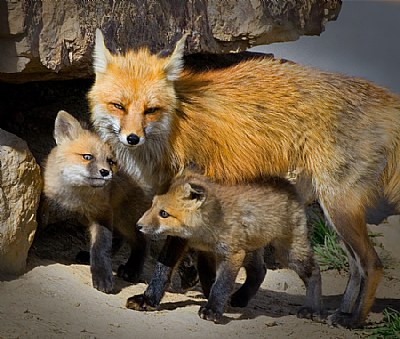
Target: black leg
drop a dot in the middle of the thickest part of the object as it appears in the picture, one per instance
(255, 274)
(169, 257)
(227, 271)
(100, 257)
(206, 267)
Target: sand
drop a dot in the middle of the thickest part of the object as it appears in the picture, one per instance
(55, 299)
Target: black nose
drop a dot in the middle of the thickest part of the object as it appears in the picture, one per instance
(104, 172)
(139, 227)
(132, 139)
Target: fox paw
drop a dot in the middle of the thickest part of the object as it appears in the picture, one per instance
(209, 314)
(343, 319)
(239, 300)
(308, 313)
(139, 302)
(128, 274)
(102, 282)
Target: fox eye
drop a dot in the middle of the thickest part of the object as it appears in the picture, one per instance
(111, 162)
(87, 157)
(118, 106)
(150, 110)
(164, 214)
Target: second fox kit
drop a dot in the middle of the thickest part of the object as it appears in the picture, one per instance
(230, 221)
(80, 175)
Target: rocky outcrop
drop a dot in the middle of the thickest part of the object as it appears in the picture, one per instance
(43, 40)
(20, 188)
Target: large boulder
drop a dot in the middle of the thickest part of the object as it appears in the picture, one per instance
(44, 40)
(20, 188)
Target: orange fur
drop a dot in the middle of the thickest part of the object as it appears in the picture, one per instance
(81, 176)
(224, 221)
(260, 117)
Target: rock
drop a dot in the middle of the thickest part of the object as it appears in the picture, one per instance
(47, 40)
(20, 188)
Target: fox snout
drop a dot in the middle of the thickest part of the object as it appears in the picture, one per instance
(131, 139)
(105, 173)
(146, 226)
(144, 229)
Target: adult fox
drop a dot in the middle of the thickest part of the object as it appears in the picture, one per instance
(259, 117)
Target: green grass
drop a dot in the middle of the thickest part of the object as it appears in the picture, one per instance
(328, 250)
(390, 328)
(329, 253)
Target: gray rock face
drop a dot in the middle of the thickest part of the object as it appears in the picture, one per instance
(43, 40)
(20, 188)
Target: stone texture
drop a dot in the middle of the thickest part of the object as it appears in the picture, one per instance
(43, 40)
(20, 188)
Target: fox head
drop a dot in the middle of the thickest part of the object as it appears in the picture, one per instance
(80, 158)
(133, 96)
(180, 212)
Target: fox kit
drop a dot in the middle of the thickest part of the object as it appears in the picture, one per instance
(80, 175)
(259, 117)
(230, 221)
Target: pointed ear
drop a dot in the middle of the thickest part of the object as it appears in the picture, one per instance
(66, 127)
(195, 192)
(101, 55)
(174, 64)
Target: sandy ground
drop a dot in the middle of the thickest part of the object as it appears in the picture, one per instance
(55, 298)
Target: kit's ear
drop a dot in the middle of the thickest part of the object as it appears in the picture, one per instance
(66, 127)
(101, 55)
(174, 64)
(195, 192)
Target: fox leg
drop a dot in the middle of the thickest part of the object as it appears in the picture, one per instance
(206, 268)
(308, 270)
(100, 257)
(187, 270)
(169, 257)
(83, 257)
(365, 267)
(299, 256)
(255, 274)
(353, 285)
(132, 269)
(227, 271)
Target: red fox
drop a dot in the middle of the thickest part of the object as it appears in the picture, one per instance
(231, 220)
(81, 176)
(259, 117)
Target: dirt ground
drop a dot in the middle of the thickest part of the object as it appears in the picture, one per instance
(55, 299)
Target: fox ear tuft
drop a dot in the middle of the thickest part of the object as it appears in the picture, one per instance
(195, 192)
(101, 55)
(174, 65)
(66, 127)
